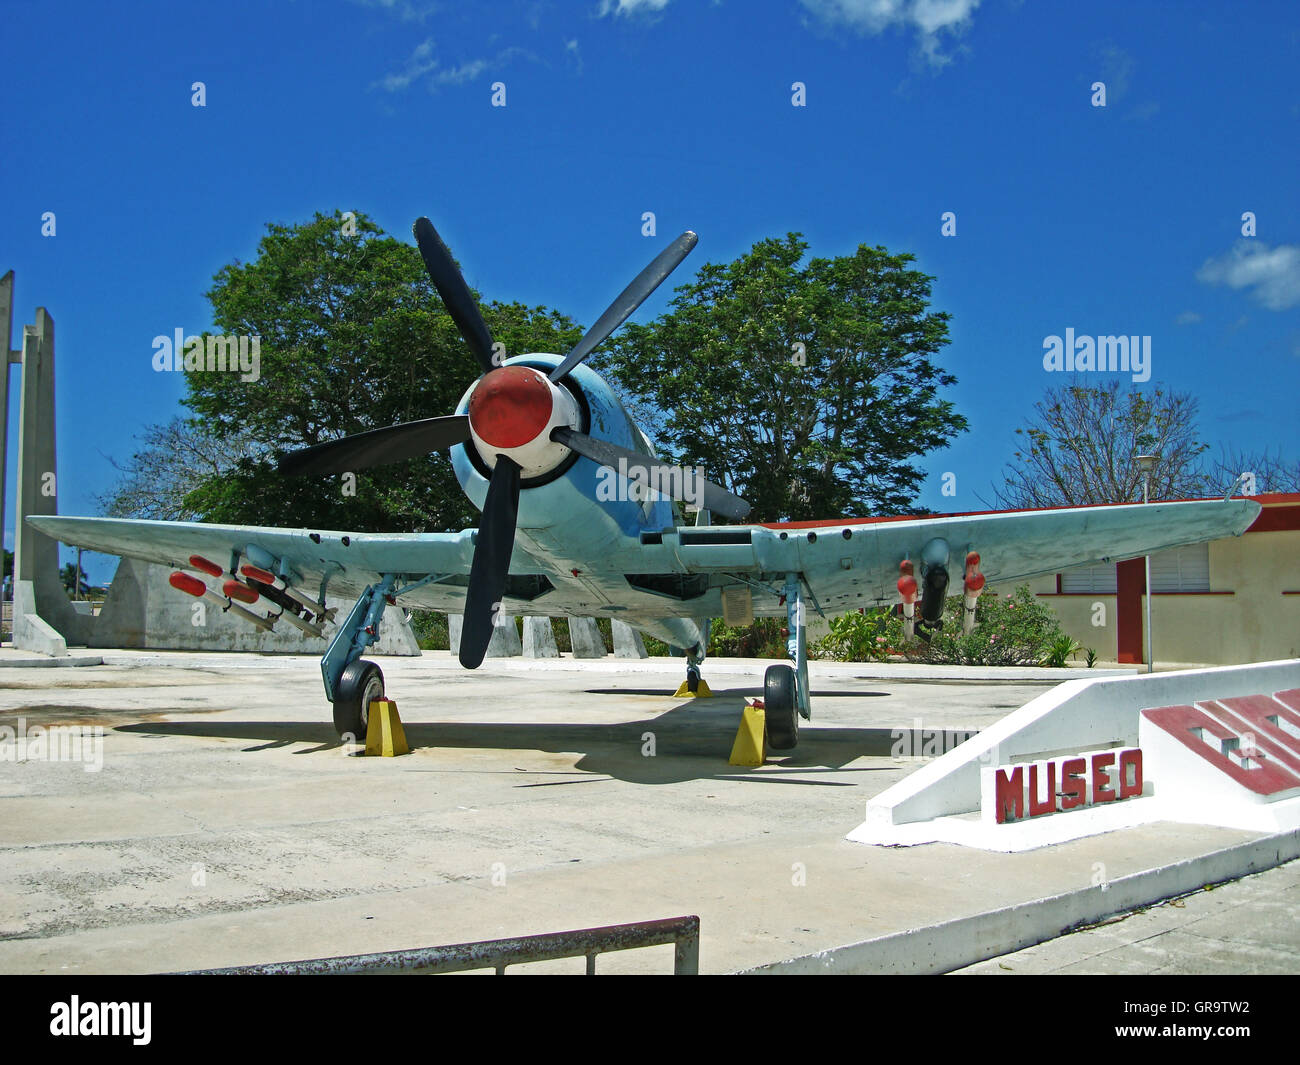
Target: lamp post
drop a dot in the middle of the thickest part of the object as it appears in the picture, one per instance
(1146, 463)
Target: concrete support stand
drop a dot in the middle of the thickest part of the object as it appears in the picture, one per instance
(628, 642)
(31, 632)
(539, 638)
(505, 642)
(585, 638)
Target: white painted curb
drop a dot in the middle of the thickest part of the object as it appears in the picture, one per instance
(1079, 715)
(941, 948)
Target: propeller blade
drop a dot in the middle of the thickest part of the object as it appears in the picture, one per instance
(448, 280)
(491, 564)
(378, 447)
(668, 480)
(631, 298)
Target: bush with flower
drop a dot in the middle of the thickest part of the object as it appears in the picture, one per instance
(1014, 630)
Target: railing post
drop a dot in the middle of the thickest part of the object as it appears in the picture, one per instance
(686, 952)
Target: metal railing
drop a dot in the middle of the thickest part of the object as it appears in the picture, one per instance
(682, 932)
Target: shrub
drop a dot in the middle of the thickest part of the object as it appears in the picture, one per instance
(1015, 630)
(1060, 650)
(430, 630)
(765, 638)
(859, 636)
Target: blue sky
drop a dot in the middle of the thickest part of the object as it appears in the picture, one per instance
(1125, 219)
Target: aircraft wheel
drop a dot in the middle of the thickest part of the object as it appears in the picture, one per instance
(692, 678)
(361, 684)
(779, 708)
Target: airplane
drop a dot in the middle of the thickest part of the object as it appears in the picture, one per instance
(536, 443)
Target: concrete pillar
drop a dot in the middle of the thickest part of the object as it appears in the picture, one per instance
(585, 638)
(628, 642)
(505, 642)
(36, 556)
(539, 638)
(7, 356)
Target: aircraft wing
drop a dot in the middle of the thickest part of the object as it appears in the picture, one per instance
(351, 560)
(852, 564)
(682, 572)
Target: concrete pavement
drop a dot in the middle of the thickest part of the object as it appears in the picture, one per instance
(227, 825)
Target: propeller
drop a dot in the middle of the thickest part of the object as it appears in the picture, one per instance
(668, 480)
(628, 301)
(491, 565)
(378, 447)
(456, 297)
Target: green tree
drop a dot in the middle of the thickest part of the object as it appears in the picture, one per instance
(352, 337)
(73, 578)
(810, 388)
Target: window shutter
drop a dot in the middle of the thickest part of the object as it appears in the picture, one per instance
(1095, 580)
(1181, 569)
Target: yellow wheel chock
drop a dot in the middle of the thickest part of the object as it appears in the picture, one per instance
(751, 738)
(384, 733)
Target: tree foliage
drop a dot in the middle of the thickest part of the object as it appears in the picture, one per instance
(1081, 444)
(1272, 471)
(1080, 447)
(159, 479)
(353, 337)
(829, 428)
(73, 578)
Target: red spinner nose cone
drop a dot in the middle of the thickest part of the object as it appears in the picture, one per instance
(510, 407)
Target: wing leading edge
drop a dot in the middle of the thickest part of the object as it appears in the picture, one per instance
(855, 563)
(351, 560)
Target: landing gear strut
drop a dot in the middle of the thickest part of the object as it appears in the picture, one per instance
(695, 686)
(692, 679)
(351, 683)
(785, 688)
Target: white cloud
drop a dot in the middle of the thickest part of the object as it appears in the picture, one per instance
(573, 54)
(1272, 273)
(1187, 318)
(406, 10)
(1116, 71)
(422, 64)
(461, 74)
(630, 7)
(929, 18)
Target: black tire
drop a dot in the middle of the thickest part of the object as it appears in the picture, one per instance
(692, 679)
(779, 708)
(361, 684)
